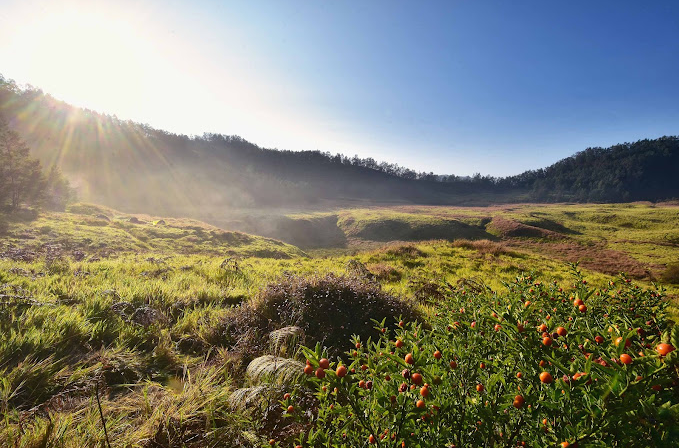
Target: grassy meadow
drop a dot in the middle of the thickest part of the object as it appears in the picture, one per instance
(156, 321)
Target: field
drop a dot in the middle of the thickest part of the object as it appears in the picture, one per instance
(174, 332)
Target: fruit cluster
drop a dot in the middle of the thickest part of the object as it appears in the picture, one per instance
(539, 366)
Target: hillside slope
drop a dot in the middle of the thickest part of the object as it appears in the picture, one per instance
(91, 231)
(135, 168)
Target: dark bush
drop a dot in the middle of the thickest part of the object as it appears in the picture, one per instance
(671, 274)
(329, 309)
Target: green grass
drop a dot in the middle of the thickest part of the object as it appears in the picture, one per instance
(99, 230)
(142, 309)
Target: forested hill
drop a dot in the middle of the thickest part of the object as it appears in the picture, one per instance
(645, 170)
(136, 168)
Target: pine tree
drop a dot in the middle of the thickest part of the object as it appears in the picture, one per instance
(21, 178)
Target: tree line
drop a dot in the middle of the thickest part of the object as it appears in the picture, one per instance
(135, 167)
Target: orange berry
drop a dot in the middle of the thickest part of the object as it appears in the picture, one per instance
(420, 404)
(625, 359)
(437, 354)
(664, 349)
(417, 378)
(341, 371)
(308, 369)
(546, 377)
(479, 388)
(320, 373)
(518, 402)
(324, 363)
(561, 331)
(409, 358)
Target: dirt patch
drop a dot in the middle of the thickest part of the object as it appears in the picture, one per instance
(509, 228)
(595, 257)
(486, 247)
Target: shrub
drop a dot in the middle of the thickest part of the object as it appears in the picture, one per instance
(671, 274)
(477, 377)
(329, 310)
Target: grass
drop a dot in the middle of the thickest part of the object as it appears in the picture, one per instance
(150, 310)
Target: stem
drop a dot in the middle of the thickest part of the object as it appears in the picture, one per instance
(101, 413)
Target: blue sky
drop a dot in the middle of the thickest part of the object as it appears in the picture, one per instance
(459, 87)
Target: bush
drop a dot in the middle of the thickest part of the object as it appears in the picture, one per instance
(671, 274)
(483, 376)
(329, 309)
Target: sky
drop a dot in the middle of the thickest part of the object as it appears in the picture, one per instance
(451, 87)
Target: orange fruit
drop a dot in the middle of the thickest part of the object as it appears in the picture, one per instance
(417, 378)
(479, 388)
(561, 331)
(291, 409)
(424, 392)
(308, 369)
(324, 363)
(453, 365)
(546, 377)
(341, 371)
(547, 341)
(372, 439)
(399, 343)
(599, 339)
(625, 358)
(582, 308)
(437, 354)
(578, 302)
(664, 349)
(320, 373)
(409, 358)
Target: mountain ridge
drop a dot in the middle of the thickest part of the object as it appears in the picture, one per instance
(136, 168)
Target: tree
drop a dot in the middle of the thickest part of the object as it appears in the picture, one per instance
(58, 191)
(21, 178)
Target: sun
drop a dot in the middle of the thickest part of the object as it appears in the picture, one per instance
(92, 58)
